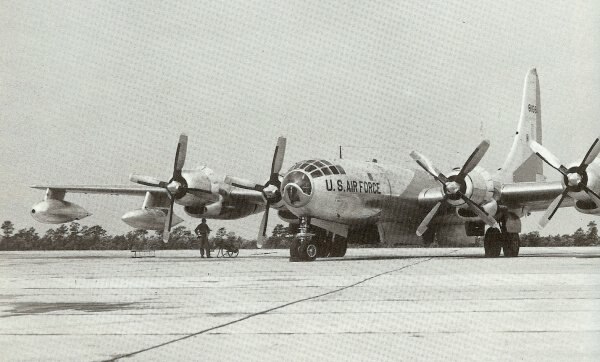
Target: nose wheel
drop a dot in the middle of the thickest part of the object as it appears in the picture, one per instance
(304, 247)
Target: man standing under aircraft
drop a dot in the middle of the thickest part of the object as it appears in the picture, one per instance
(202, 230)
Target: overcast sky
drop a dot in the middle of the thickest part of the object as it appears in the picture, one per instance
(91, 91)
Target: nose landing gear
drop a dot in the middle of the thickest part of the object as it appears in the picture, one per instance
(304, 247)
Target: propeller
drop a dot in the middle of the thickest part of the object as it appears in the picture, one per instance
(574, 178)
(176, 187)
(454, 186)
(270, 189)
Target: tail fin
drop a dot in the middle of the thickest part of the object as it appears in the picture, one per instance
(521, 164)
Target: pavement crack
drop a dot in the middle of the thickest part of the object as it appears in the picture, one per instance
(131, 354)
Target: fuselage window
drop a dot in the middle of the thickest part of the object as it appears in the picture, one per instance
(319, 164)
(334, 170)
(327, 162)
(309, 168)
(341, 169)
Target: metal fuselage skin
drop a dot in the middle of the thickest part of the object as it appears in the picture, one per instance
(363, 193)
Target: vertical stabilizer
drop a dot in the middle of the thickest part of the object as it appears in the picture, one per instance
(522, 165)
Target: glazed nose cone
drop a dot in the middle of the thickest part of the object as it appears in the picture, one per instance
(297, 189)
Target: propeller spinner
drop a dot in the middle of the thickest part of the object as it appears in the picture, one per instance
(574, 178)
(454, 186)
(176, 187)
(270, 189)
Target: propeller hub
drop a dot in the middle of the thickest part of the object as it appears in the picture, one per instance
(173, 187)
(574, 179)
(271, 192)
(452, 187)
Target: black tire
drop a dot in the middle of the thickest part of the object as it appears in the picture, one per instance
(511, 244)
(492, 243)
(295, 249)
(309, 250)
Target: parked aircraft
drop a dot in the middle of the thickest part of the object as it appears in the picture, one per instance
(334, 202)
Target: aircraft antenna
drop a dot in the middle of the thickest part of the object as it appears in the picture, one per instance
(340, 152)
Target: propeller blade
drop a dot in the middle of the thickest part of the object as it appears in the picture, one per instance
(278, 156)
(168, 221)
(423, 226)
(548, 157)
(591, 154)
(551, 210)
(474, 159)
(180, 153)
(594, 196)
(479, 211)
(242, 183)
(262, 232)
(428, 166)
(146, 180)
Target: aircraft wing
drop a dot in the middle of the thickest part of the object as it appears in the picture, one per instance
(102, 189)
(535, 196)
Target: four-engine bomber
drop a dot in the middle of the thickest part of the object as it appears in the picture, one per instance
(336, 202)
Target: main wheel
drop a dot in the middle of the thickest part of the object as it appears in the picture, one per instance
(233, 253)
(295, 249)
(492, 243)
(511, 244)
(308, 250)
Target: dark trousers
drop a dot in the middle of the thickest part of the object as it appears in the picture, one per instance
(204, 245)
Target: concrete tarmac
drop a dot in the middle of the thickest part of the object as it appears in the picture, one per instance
(373, 304)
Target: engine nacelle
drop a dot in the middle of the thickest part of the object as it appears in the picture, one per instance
(287, 216)
(584, 203)
(587, 207)
(490, 207)
(149, 219)
(479, 187)
(53, 211)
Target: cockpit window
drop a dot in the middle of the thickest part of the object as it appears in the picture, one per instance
(318, 168)
(316, 173)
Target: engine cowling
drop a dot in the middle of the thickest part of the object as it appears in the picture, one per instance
(592, 180)
(53, 211)
(583, 203)
(148, 219)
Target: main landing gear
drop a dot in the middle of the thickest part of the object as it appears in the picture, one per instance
(308, 246)
(496, 240)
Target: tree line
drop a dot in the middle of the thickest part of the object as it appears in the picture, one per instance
(75, 236)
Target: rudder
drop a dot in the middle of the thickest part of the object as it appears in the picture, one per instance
(521, 164)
